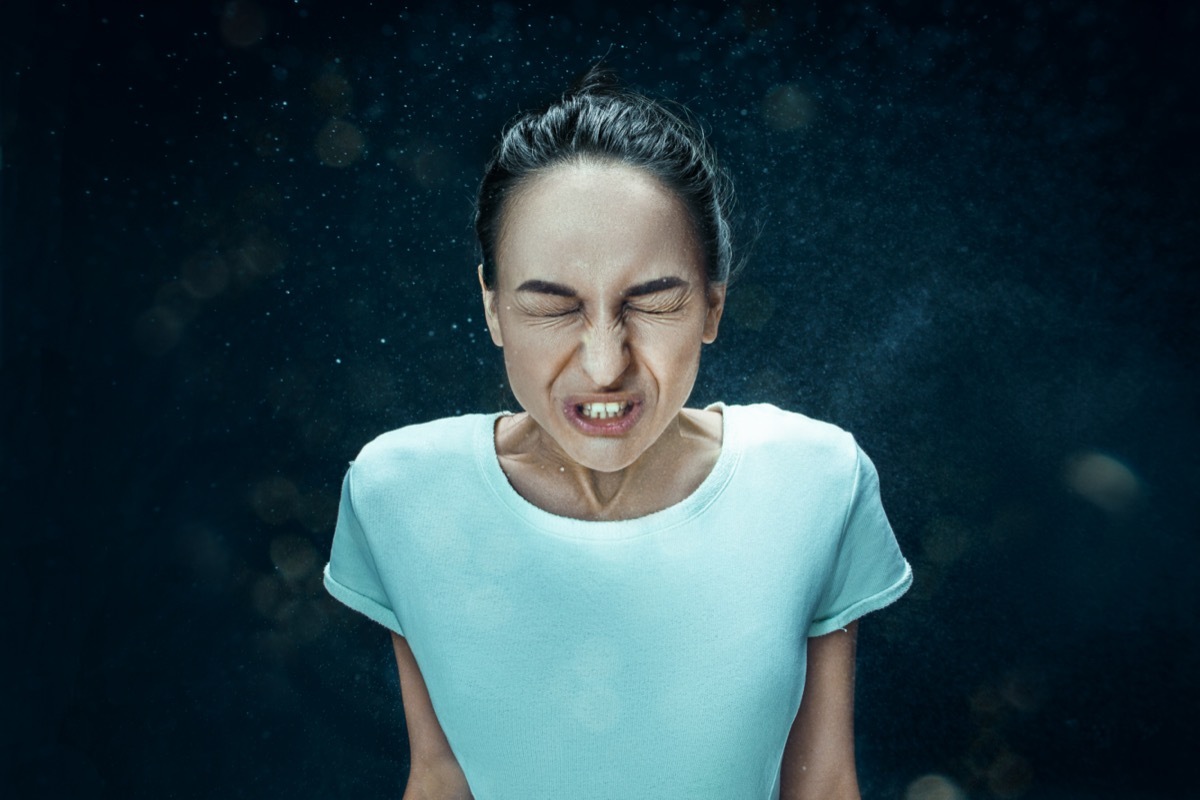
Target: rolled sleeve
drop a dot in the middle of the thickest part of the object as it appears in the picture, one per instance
(869, 571)
(351, 575)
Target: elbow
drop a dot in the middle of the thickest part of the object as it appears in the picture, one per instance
(833, 785)
(436, 781)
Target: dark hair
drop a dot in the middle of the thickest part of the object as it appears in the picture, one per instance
(599, 119)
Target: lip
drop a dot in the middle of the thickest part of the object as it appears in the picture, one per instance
(603, 427)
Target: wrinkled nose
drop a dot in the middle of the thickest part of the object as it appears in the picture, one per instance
(604, 354)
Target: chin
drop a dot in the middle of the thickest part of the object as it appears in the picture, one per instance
(609, 458)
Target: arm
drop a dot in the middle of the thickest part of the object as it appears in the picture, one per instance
(818, 760)
(433, 772)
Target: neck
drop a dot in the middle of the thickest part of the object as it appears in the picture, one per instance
(663, 475)
(605, 494)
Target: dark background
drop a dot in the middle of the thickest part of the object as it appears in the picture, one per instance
(236, 246)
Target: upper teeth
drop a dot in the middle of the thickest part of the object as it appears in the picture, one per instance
(602, 410)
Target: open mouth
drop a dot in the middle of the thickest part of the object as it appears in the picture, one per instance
(603, 411)
(605, 417)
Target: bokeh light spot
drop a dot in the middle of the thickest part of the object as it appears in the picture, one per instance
(303, 619)
(933, 787)
(274, 500)
(340, 144)
(317, 512)
(432, 169)
(1025, 689)
(1103, 481)
(204, 275)
(1010, 775)
(787, 107)
(243, 23)
(176, 298)
(986, 701)
(332, 92)
(294, 557)
(157, 330)
(266, 595)
(259, 254)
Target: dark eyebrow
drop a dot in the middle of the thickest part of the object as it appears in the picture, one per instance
(640, 290)
(655, 286)
(546, 287)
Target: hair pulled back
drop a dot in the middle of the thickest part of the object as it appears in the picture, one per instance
(599, 119)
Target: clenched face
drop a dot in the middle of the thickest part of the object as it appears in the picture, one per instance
(601, 306)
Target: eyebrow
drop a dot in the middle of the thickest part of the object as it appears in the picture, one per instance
(641, 289)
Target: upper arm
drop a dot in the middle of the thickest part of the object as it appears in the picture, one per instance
(818, 760)
(434, 773)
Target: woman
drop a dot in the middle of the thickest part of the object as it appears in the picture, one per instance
(608, 595)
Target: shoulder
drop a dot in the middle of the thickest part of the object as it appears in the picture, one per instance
(763, 425)
(787, 444)
(422, 450)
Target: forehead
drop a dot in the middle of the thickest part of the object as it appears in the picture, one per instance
(588, 222)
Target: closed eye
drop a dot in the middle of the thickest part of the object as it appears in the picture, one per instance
(554, 316)
(657, 309)
(548, 307)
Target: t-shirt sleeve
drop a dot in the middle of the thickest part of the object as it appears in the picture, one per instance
(351, 575)
(868, 571)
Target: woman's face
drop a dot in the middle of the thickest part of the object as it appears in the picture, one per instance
(601, 306)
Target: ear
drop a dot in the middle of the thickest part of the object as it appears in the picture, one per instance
(489, 309)
(716, 307)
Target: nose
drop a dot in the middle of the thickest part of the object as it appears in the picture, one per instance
(604, 354)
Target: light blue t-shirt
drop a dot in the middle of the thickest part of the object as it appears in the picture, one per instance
(659, 657)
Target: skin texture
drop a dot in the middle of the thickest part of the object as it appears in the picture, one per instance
(601, 295)
(433, 772)
(818, 760)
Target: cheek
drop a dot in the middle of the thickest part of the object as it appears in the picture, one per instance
(672, 354)
(533, 353)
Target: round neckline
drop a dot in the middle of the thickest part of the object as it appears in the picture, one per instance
(571, 527)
